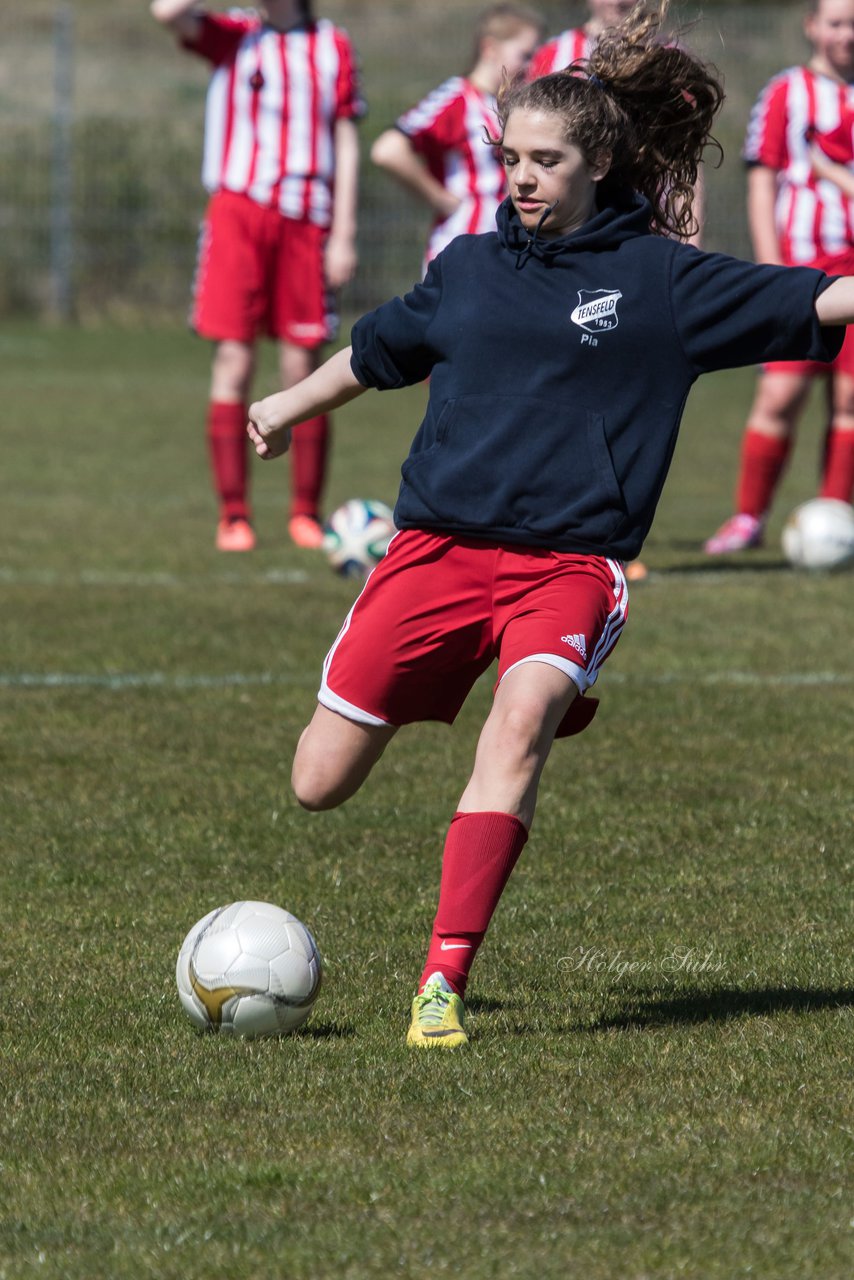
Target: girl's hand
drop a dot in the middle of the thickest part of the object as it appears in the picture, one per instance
(446, 204)
(822, 166)
(269, 438)
(339, 261)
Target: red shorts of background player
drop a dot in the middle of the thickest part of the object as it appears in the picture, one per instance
(836, 265)
(438, 610)
(259, 273)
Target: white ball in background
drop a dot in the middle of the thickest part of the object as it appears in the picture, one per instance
(820, 535)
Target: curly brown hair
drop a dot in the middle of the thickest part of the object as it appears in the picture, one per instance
(645, 104)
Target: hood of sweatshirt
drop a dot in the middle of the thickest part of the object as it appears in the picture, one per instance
(608, 228)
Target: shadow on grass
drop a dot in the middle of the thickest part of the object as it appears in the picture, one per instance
(483, 1004)
(720, 1006)
(722, 564)
(327, 1031)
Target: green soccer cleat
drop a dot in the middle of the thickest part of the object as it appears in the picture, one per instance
(437, 1017)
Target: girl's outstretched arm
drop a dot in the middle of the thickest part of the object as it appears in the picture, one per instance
(836, 304)
(330, 386)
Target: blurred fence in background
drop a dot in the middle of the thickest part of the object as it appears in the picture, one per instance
(101, 134)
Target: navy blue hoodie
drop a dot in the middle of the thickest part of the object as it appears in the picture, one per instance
(559, 372)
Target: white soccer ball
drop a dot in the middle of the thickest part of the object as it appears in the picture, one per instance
(820, 534)
(248, 969)
(356, 536)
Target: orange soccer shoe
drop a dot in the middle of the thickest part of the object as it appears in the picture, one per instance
(235, 534)
(636, 571)
(306, 531)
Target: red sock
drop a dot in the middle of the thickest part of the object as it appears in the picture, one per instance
(838, 477)
(309, 449)
(481, 850)
(227, 444)
(763, 459)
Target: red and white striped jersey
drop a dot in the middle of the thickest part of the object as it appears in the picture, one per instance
(814, 218)
(558, 53)
(272, 104)
(449, 130)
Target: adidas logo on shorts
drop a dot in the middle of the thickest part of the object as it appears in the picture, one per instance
(578, 643)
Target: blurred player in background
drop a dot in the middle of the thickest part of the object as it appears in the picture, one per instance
(281, 158)
(439, 148)
(578, 42)
(802, 121)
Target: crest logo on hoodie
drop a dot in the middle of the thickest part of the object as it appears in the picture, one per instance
(596, 310)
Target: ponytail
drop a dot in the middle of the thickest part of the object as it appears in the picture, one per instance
(645, 105)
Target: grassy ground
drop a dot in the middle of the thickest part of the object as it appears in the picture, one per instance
(660, 1080)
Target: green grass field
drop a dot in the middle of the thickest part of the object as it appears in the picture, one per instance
(659, 1083)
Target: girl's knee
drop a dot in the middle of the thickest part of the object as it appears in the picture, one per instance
(333, 758)
(312, 784)
(232, 371)
(521, 725)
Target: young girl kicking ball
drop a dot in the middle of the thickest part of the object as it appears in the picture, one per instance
(560, 351)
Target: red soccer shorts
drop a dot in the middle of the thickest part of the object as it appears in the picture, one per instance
(438, 610)
(260, 273)
(837, 265)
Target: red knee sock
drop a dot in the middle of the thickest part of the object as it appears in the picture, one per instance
(763, 459)
(227, 444)
(481, 850)
(838, 475)
(309, 449)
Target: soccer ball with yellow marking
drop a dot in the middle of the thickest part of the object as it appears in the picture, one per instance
(248, 969)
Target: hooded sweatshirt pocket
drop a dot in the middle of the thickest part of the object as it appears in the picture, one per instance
(515, 465)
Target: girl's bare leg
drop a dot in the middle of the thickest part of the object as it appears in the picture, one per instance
(334, 757)
(516, 740)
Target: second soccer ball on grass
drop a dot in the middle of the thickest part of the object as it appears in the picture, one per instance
(356, 536)
(820, 535)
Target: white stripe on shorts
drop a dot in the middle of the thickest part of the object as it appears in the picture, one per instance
(614, 623)
(577, 674)
(325, 696)
(331, 700)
